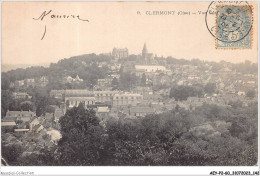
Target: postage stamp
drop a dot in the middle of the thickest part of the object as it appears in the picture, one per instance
(233, 27)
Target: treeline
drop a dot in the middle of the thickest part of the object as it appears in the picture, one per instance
(182, 92)
(210, 135)
(39, 102)
(246, 67)
(85, 66)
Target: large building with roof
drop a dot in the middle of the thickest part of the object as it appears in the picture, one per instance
(76, 96)
(141, 111)
(146, 58)
(119, 53)
(126, 99)
(24, 116)
(104, 96)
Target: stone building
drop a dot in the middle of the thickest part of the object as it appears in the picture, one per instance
(126, 99)
(21, 95)
(119, 53)
(146, 58)
(104, 96)
(141, 111)
(24, 116)
(29, 82)
(76, 96)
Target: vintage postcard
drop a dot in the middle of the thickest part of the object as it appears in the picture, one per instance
(129, 84)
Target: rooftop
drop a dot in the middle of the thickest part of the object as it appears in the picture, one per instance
(8, 123)
(103, 109)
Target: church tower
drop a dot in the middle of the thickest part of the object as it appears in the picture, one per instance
(144, 52)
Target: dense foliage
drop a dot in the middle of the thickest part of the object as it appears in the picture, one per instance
(183, 92)
(209, 135)
(81, 142)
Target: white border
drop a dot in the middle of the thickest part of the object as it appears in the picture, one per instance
(134, 170)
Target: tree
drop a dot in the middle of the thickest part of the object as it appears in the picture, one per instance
(127, 80)
(114, 83)
(143, 80)
(210, 88)
(180, 93)
(82, 141)
(27, 106)
(41, 106)
(6, 101)
(11, 153)
(43, 158)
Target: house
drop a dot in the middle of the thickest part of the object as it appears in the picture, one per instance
(37, 128)
(58, 94)
(150, 68)
(104, 96)
(3, 124)
(152, 97)
(103, 112)
(19, 83)
(126, 99)
(142, 90)
(24, 116)
(33, 123)
(161, 79)
(21, 130)
(21, 95)
(69, 79)
(141, 111)
(43, 81)
(29, 82)
(77, 79)
(8, 126)
(104, 82)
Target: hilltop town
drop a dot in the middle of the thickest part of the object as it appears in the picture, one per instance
(119, 86)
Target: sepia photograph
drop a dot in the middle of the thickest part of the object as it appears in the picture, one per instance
(129, 84)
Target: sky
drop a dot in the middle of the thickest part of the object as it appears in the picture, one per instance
(111, 24)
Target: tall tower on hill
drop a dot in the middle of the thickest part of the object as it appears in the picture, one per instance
(144, 52)
(146, 58)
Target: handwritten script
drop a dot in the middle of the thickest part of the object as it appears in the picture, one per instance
(54, 16)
